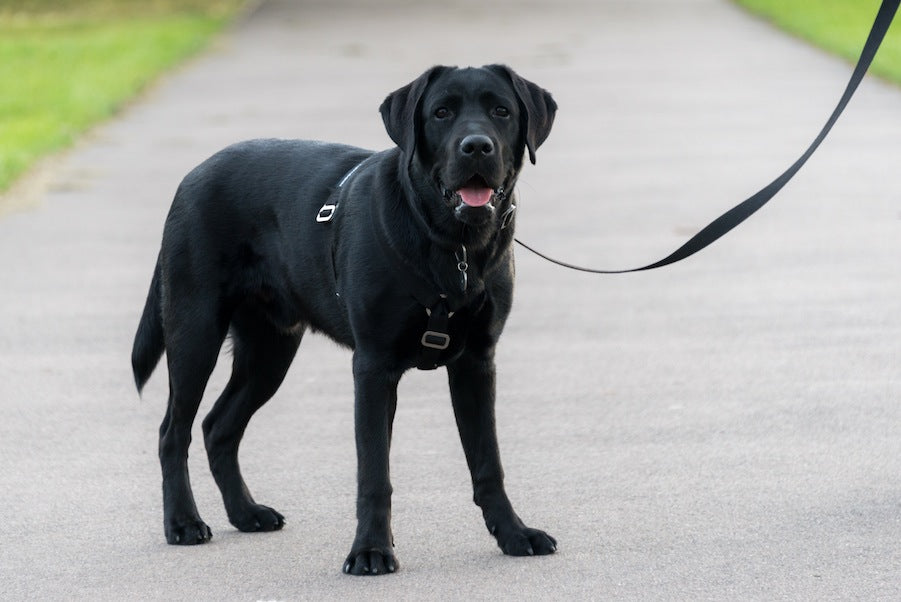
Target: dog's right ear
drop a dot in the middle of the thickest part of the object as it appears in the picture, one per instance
(400, 110)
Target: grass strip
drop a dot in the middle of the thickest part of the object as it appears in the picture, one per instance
(67, 64)
(838, 26)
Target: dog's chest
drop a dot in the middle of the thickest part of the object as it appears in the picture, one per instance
(437, 336)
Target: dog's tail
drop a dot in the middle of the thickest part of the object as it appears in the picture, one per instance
(149, 342)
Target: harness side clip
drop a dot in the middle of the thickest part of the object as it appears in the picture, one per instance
(326, 213)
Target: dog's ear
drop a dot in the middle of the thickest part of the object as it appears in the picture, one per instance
(536, 105)
(400, 110)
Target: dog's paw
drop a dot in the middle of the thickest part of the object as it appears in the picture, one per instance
(188, 532)
(370, 562)
(528, 542)
(257, 518)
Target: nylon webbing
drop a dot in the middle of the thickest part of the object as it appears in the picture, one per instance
(732, 218)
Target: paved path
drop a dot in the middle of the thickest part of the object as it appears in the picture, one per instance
(728, 428)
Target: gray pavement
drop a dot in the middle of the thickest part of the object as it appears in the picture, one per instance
(727, 428)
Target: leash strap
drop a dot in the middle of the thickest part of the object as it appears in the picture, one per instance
(732, 218)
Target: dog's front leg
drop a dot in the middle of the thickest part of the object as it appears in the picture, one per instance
(472, 385)
(375, 401)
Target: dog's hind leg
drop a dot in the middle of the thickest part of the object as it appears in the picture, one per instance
(195, 335)
(262, 355)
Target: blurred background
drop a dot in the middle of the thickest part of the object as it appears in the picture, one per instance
(68, 64)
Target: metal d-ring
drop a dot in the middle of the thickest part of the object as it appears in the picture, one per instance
(462, 265)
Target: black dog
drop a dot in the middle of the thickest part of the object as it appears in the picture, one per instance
(403, 255)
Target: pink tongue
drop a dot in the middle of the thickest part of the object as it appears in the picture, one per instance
(475, 197)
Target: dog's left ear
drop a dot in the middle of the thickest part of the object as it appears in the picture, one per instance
(400, 110)
(536, 105)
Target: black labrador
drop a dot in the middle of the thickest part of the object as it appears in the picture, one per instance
(403, 256)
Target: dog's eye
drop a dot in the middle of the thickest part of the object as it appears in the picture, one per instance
(442, 113)
(502, 111)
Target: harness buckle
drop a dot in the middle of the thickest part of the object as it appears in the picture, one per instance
(435, 340)
(326, 213)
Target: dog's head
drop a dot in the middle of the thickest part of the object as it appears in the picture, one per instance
(466, 131)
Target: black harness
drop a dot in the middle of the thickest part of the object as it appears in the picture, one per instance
(436, 337)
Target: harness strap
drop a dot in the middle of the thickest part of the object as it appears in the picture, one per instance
(327, 211)
(436, 337)
(350, 173)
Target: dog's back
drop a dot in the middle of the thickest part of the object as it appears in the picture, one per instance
(231, 231)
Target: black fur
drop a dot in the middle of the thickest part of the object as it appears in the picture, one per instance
(243, 254)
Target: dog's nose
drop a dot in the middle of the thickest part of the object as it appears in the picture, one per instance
(477, 144)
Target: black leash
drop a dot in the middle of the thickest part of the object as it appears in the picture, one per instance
(729, 220)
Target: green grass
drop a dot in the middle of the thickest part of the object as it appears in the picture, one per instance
(67, 64)
(838, 26)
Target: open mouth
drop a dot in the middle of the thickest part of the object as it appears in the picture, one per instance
(475, 192)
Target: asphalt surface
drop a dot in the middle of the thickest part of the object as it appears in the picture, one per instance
(726, 428)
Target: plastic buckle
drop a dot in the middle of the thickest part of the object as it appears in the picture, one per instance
(435, 340)
(326, 213)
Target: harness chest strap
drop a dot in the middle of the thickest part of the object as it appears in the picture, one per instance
(436, 337)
